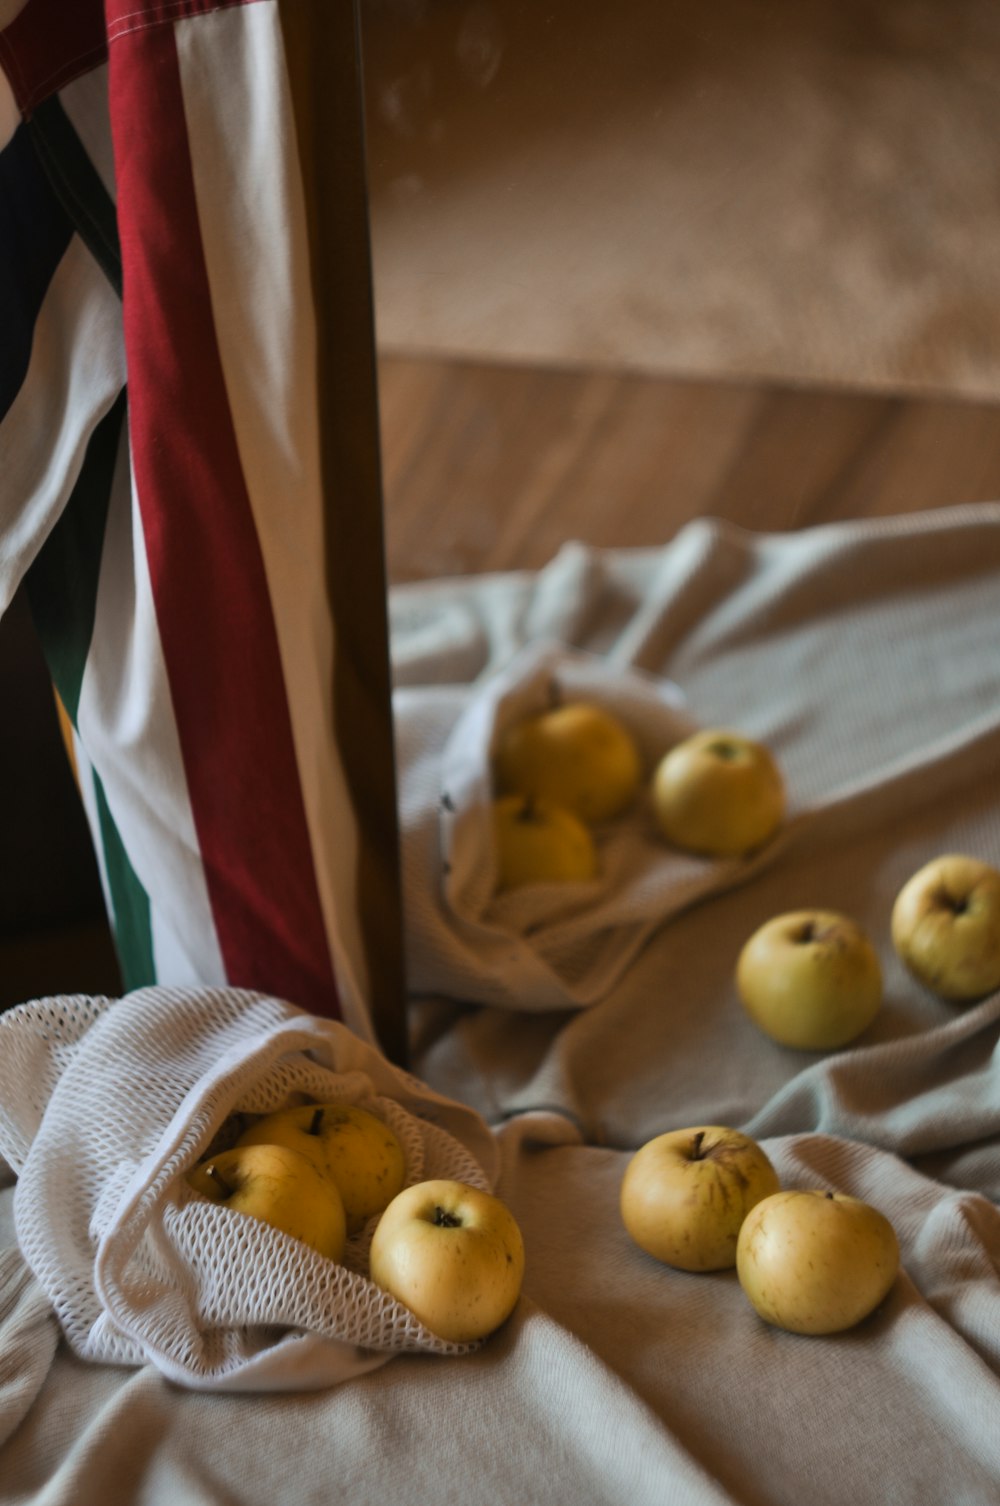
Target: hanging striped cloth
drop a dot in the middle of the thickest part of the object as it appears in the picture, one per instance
(189, 481)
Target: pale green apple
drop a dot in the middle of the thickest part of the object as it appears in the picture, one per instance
(538, 842)
(816, 1262)
(946, 926)
(280, 1187)
(686, 1193)
(718, 793)
(355, 1149)
(453, 1255)
(577, 755)
(810, 979)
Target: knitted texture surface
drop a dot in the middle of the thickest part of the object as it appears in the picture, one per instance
(105, 1105)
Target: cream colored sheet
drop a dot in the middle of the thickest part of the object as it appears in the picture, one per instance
(868, 657)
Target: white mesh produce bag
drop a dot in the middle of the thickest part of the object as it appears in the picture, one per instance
(105, 1104)
(543, 946)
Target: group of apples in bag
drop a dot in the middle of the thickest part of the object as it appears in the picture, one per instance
(323, 1172)
(563, 771)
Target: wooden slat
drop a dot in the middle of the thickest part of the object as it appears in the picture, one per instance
(494, 467)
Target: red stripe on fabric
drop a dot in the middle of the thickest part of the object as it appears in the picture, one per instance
(207, 572)
(124, 16)
(50, 43)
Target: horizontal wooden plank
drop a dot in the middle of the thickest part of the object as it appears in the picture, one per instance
(493, 467)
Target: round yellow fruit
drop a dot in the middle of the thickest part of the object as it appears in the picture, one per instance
(686, 1193)
(353, 1148)
(810, 979)
(816, 1262)
(718, 793)
(453, 1255)
(578, 756)
(946, 927)
(280, 1187)
(540, 843)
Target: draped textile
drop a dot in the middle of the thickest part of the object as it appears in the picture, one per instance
(189, 490)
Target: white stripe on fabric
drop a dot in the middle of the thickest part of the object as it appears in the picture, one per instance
(125, 719)
(252, 217)
(10, 115)
(85, 101)
(76, 372)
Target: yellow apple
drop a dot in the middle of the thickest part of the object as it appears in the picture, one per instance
(577, 755)
(686, 1193)
(453, 1255)
(816, 1262)
(352, 1147)
(946, 926)
(810, 979)
(279, 1187)
(718, 793)
(540, 843)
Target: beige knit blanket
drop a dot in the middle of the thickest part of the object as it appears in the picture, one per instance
(868, 657)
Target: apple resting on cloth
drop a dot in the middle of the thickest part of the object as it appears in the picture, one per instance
(810, 979)
(353, 1148)
(686, 1193)
(816, 1262)
(538, 843)
(718, 793)
(576, 755)
(453, 1255)
(946, 927)
(279, 1187)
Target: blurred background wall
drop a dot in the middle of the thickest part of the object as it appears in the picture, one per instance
(800, 190)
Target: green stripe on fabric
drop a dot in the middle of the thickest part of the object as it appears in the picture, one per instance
(129, 902)
(78, 186)
(322, 52)
(62, 586)
(63, 579)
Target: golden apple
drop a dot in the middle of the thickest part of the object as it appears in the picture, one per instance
(578, 756)
(540, 843)
(280, 1187)
(946, 926)
(352, 1147)
(816, 1262)
(686, 1193)
(718, 793)
(453, 1255)
(810, 979)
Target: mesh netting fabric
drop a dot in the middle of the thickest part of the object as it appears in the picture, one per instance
(105, 1104)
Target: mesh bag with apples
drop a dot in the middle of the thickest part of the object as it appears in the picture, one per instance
(544, 945)
(106, 1105)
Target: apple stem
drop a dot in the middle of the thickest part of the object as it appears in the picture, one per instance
(445, 1220)
(811, 931)
(555, 695)
(830, 1196)
(527, 811)
(697, 1154)
(216, 1175)
(316, 1123)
